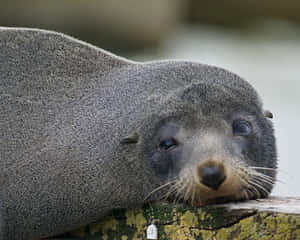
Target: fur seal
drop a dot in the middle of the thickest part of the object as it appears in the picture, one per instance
(83, 131)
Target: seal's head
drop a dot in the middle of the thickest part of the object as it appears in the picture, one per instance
(214, 144)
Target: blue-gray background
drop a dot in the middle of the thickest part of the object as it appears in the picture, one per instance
(257, 39)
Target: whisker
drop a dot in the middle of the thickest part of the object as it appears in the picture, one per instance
(247, 192)
(255, 171)
(241, 175)
(267, 176)
(193, 195)
(264, 168)
(263, 181)
(159, 188)
(250, 193)
(172, 190)
(188, 191)
(250, 171)
(272, 179)
(178, 195)
(279, 170)
(271, 169)
(179, 192)
(253, 183)
(243, 195)
(263, 178)
(253, 190)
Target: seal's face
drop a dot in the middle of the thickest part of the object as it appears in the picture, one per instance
(211, 160)
(206, 141)
(212, 155)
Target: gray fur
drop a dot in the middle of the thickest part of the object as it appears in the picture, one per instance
(64, 108)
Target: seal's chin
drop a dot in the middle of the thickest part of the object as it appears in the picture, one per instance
(204, 197)
(197, 195)
(235, 188)
(218, 200)
(239, 184)
(201, 196)
(242, 195)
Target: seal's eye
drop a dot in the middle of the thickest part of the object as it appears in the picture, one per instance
(241, 128)
(167, 144)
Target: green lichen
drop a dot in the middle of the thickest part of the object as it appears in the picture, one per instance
(184, 223)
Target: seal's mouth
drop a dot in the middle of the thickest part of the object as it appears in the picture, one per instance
(233, 184)
(213, 182)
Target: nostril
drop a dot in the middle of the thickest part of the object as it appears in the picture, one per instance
(212, 176)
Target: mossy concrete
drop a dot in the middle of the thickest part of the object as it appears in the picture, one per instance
(219, 222)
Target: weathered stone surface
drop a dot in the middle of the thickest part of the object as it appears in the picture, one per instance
(266, 219)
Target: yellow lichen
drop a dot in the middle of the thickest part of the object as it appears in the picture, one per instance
(141, 221)
(109, 224)
(282, 225)
(297, 233)
(135, 218)
(204, 216)
(124, 237)
(207, 235)
(183, 231)
(223, 234)
(196, 232)
(186, 225)
(272, 227)
(248, 228)
(103, 226)
(130, 217)
(201, 215)
(105, 237)
(189, 219)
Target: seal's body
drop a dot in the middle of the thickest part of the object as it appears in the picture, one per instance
(83, 132)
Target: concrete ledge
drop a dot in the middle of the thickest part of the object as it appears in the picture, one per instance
(264, 219)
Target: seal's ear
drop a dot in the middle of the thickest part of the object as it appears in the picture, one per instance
(44, 63)
(268, 114)
(130, 139)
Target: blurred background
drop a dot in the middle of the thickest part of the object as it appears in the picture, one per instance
(257, 39)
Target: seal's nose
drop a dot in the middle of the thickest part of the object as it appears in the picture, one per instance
(212, 176)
